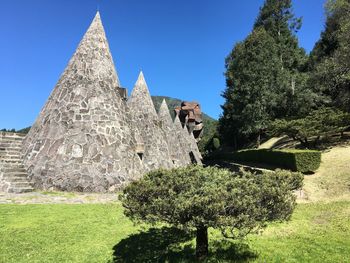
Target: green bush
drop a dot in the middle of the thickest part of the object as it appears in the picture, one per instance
(198, 198)
(216, 143)
(295, 160)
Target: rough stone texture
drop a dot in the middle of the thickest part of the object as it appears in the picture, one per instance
(195, 155)
(13, 176)
(4, 184)
(178, 155)
(145, 120)
(89, 138)
(185, 147)
(82, 140)
(194, 147)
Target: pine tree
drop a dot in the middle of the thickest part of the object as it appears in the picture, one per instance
(249, 80)
(330, 59)
(277, 18)
(294, 98)
(265, 75)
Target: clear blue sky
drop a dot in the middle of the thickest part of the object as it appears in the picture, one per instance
(180, 46)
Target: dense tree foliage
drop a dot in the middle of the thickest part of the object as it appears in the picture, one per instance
(248, 95)
(321, 122)
(198, 198)
(330, 58)
(266, 76)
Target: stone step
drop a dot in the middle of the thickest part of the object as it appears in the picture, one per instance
(12, 161)
(20, 179)
(10, 157)
(18, 190)
(20, 184)
(5, 146)
(15, 172)
(13, 168)
(11, 139)
(6, 151)
(8, 138)
(12, 134)
(19, 173)
(10, 152)
(12, 148)
(4, 155)
(11, 144)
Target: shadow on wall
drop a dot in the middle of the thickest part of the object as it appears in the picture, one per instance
(174, 245)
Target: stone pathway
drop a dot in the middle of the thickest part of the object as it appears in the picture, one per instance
(57, 198)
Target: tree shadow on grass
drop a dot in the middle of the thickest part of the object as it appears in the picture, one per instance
(173, 245)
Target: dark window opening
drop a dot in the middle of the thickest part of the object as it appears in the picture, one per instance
(193, 159)
(140, 156)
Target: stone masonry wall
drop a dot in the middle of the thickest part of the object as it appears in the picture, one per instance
(82, 140)
(145, 120)
(88, 138)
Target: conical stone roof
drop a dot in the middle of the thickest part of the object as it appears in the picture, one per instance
(82, 139)
(194, 147)
(177, 152)
(156, 151)
(185, 146)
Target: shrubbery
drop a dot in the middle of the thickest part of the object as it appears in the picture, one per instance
(321, 122)
(197, 198)
(295, 160)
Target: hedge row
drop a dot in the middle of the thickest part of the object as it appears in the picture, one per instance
(295, 160)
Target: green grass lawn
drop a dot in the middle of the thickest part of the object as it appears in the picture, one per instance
(317, 232)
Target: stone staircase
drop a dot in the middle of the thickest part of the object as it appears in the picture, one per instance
(13, 175)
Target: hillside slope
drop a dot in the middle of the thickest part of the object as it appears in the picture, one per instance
(331, 182)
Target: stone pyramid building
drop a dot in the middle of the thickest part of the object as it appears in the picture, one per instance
(177, 147)
(89, 137)
(156, 150)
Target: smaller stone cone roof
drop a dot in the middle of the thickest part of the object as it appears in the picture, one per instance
(177, 152)
(183, 140)
(195, 149)
(156, 151)
(192, 144)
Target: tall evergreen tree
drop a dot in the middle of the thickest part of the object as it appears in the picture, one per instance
(330, 59)
(265, 75)
(294, 98)
(277, 17)
(249, 77)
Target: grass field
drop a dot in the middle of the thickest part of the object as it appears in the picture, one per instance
(319, 230)
(331, 182)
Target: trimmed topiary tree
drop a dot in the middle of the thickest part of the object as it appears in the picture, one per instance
(198, 198)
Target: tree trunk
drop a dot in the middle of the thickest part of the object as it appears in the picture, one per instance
(258, 141)
(202, 243)
(316, 141)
